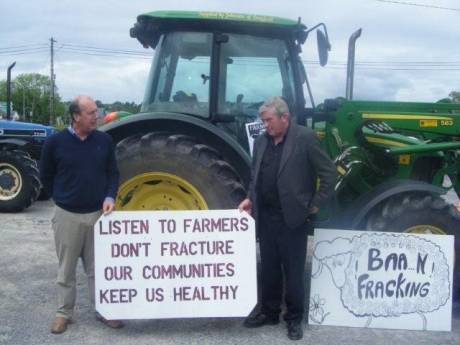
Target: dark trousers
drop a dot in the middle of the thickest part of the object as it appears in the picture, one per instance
(282, 249)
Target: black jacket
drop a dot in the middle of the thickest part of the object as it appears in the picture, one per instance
(302, 162)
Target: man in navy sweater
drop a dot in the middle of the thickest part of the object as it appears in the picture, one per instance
(78, 169)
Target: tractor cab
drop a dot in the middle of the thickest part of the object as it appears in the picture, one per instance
(220, 66)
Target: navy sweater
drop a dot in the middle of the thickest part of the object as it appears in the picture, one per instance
(79, 174)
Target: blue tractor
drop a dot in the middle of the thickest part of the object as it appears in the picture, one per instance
(20, 148)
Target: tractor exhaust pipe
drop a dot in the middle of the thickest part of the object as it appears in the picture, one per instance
(351, 63)
(8, 91)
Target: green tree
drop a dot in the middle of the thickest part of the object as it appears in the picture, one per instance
(130, 107)
(31, 97)
(2, 90)
(455, 96)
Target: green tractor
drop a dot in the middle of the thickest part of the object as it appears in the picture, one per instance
(190, 146)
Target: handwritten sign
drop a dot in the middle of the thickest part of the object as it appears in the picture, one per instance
(382, 280)
(170, 264)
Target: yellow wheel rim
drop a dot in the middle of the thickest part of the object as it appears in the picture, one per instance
(429, 230)
(10, 182)
(425, 229)
(159, 191)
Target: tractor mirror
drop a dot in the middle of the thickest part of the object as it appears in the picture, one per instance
(323, 47)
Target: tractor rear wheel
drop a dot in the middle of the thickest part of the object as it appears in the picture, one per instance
(161, 171)
(420, 214)
(19, 181)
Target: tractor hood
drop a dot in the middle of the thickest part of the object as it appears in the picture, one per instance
(25, 128)
(151, 25)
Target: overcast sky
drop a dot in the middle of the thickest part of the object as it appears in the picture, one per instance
(405, 52)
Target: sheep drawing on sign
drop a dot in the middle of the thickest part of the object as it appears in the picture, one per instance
(384, 275)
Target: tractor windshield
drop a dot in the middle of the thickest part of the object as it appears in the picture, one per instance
(250, 69)
(178, 80)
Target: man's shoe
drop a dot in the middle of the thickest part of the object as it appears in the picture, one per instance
(59, 325)
(260, 319)
(110, 323)
(295, 330)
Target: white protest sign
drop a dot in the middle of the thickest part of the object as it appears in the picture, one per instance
(168, 264)
(382, 280)
(253, 130)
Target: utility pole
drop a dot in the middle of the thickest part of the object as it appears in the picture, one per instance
(52, 77)
(24, 105)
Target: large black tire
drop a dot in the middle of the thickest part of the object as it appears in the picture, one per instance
(402, 213)
(19, 180)
(182, 156)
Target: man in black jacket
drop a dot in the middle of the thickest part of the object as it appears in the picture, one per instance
(283, 195)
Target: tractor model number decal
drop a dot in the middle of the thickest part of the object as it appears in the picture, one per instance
(447, 122)
(24, 132)
(428, 123)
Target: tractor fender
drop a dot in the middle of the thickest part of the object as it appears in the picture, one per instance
(366, 202)
(12, 142)
(203, 130)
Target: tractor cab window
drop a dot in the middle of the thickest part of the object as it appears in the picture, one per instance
(251, 70)
(179, 81)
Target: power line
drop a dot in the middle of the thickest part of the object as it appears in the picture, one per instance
(103, 52)
(23, 46)
(273, 61)
(394, 65)
(93, 48)
(265, 61)
(364, 65)
(419, 5)
(112, 55)
(23, 51)
(394, 69)
(66, 48)
(100, 51)
(394, 62)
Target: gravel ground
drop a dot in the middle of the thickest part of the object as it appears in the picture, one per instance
(27, 304)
